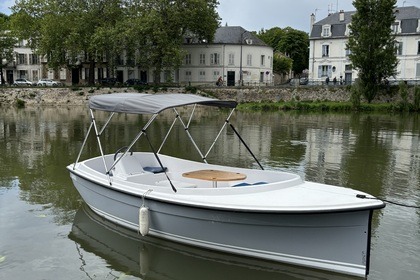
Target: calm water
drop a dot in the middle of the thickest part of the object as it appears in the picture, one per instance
(46, 232)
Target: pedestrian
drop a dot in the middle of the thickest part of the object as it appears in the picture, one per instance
(327, 80)
(335, 80)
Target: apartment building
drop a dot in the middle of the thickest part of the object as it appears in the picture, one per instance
(328, 55)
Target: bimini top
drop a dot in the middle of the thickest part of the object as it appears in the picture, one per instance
(141, 103)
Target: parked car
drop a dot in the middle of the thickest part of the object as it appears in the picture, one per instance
(109, 82)
(22, 82)
(303, 81)
(48, 83)
(134, 82)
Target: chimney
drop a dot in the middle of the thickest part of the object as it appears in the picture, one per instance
(312, 21)
(341, 15)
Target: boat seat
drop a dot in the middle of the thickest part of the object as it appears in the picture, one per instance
(244, 184)
(127, 166)
(155, 169)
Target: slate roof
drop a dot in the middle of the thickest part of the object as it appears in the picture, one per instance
(233, 34)
(408, 16)
(230, 35)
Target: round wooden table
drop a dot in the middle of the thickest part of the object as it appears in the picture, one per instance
(214, 175)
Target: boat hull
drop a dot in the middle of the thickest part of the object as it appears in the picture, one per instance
(335, 241)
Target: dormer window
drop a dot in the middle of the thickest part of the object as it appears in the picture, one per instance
(326, 30)
(347, 32)
(418, 26)
(396, 27)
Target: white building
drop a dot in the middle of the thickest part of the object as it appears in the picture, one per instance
(328, 55)
(233, 51)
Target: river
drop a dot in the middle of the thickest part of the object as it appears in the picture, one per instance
(46, 232)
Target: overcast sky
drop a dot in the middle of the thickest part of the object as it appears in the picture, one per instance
(254, 15)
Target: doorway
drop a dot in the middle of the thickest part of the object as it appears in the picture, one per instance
(230, 78)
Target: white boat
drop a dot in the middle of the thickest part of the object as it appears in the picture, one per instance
(264, 214)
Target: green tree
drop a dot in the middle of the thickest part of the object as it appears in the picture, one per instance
(372, 43)
(7, 43)
(295, 44)
(67, 31)
(149, 32)
(160, 27)
(281, 63)
(291, 42)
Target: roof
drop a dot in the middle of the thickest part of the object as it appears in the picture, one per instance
(140, 103)
(234, 34)
(230, 35)
(409, 17)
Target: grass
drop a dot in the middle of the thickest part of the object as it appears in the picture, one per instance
(323, 106)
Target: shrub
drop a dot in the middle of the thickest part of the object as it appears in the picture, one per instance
(416, 105)
(19, 103)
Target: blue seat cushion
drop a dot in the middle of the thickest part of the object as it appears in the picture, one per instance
(244, 184)
(155, 169)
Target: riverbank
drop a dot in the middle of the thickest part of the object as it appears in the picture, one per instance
(263, 98)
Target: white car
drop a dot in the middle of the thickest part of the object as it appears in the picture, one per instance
(22, 82)
(48, 83)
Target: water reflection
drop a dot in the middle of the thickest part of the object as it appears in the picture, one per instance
(152, 258)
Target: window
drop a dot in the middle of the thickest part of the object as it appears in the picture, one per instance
(324, 71)
(249, 60)
(418, 47)
(399, 48)
(23, 74)
(418, 70)
(395, 27)
(33, 59)
(188, 59)
(348, 52)
(214, 59)
(325, 50)
(326, 31)
(202, 75)
(262, 60)
(202, 59)
(348, 67)
(231, 59)
(22, 58)
(216, 74)
(188, 75)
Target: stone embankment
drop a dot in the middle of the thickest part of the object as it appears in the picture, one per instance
(80, 96)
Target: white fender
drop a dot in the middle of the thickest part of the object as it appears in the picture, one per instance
(144, 220)
(144, 261)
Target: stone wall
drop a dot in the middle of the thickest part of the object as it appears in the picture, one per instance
(79, 96)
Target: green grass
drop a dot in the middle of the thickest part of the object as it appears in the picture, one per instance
(323, 106)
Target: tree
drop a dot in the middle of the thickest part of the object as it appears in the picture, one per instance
(291, 42)
(67, 31)
(281, 63)
(7, 44)
(372, 43)
(149, 32)
(158, 29)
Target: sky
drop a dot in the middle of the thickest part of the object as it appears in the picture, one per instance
(254, 15)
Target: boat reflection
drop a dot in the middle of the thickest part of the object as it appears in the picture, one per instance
(153, 258)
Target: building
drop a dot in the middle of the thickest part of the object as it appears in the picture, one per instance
(236, 56)
(328, 55)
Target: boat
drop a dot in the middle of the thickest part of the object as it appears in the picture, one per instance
(154, 258)
(254, 212)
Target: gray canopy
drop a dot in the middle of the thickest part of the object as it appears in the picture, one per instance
(140, 103)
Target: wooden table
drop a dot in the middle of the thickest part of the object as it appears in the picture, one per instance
(214, 175)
